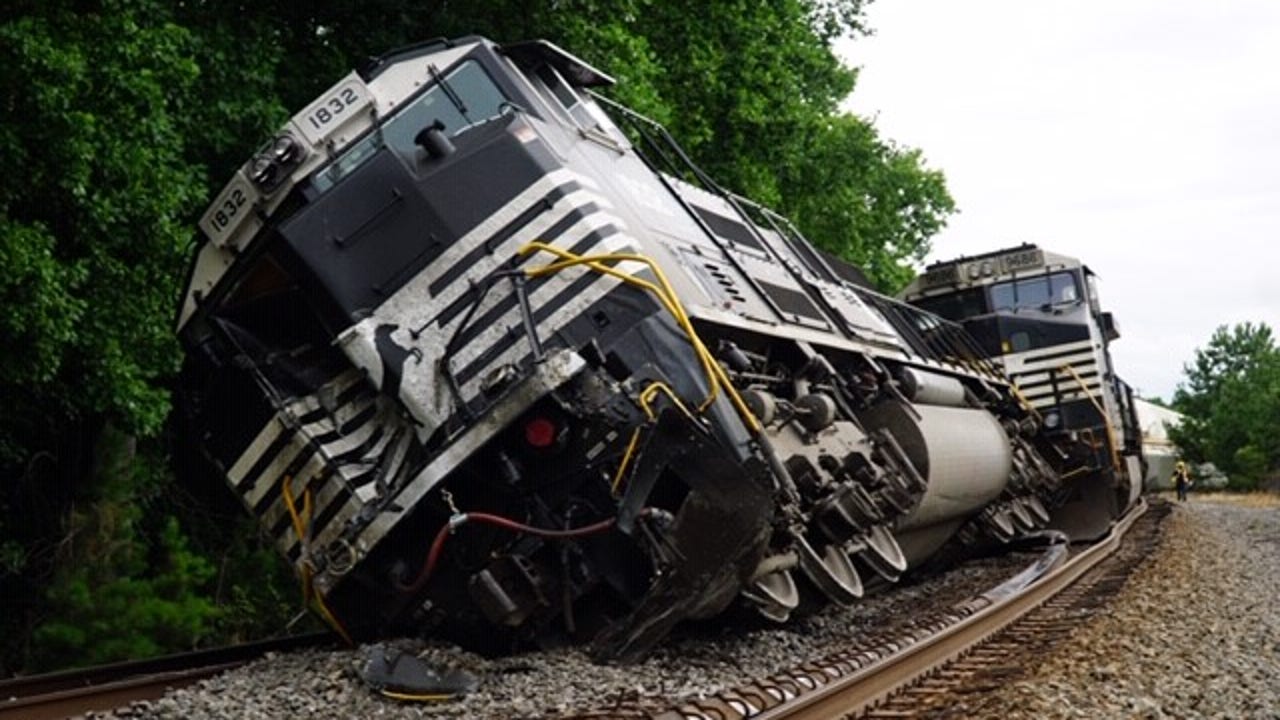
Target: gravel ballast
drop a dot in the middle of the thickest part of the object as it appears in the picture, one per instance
(693, 664)
(1194, 634)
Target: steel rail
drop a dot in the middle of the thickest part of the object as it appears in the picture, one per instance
(75, 692)
(862, 690)
(97, 698)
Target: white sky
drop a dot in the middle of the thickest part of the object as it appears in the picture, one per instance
(1141, 136)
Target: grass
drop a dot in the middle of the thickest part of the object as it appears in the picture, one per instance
(1255, 499)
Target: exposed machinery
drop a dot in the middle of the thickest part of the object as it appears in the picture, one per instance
(1037, 314)
(485, 365)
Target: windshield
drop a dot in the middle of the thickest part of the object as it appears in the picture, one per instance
(1041, 292)
(478, 100)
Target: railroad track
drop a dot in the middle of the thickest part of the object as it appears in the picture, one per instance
(68, 693)
(932, 668)
(948, 690)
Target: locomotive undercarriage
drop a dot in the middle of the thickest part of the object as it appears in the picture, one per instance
(852, 475)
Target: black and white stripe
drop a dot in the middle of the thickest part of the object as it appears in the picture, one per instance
(334, 443)
(339, 441)
(562, 209)
(1042, 379)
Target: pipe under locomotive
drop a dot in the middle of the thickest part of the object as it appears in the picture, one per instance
(483, 365)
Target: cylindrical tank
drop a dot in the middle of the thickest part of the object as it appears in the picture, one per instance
(928, 388)
(964, 456)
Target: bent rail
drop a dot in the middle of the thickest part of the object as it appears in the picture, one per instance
(1008, 602)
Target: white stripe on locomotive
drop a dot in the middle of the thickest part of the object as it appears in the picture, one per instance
(265, 437)
(544, 292)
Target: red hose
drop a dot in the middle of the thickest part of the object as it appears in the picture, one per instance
(437, 545)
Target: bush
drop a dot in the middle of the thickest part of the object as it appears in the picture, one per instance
(129, 608)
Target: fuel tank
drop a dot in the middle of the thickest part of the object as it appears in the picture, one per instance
(963, 454)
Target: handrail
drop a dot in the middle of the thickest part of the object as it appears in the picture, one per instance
(1106, 420)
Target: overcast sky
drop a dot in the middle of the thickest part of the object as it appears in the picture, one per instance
(1141, 136)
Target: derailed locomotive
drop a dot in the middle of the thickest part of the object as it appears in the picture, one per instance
(1037, 313)
(486, 366)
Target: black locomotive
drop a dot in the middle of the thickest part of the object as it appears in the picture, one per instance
(489, 358)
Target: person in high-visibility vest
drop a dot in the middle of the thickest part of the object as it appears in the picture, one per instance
(1181, 480)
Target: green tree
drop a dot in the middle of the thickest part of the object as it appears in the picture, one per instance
(1231, 400)
(95, 214)
(95, 221)
(867, 200)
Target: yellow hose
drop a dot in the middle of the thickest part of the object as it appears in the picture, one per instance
(1026, 404)
(626, 459)
(301, 529)
(646, 397)
(1106, 419)
(716, 376)
(410, 697)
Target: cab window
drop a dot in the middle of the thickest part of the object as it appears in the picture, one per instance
(1037, 293)
(466, 96)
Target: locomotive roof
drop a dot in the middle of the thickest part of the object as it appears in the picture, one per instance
(971, 270)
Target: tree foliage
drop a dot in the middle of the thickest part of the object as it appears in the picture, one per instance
(1231, 401)
(95, 218)
(119, 118)
(95, 212)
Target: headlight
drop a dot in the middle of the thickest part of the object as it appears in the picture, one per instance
(275, 161)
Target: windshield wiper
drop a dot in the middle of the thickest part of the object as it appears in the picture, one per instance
(449, 92)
